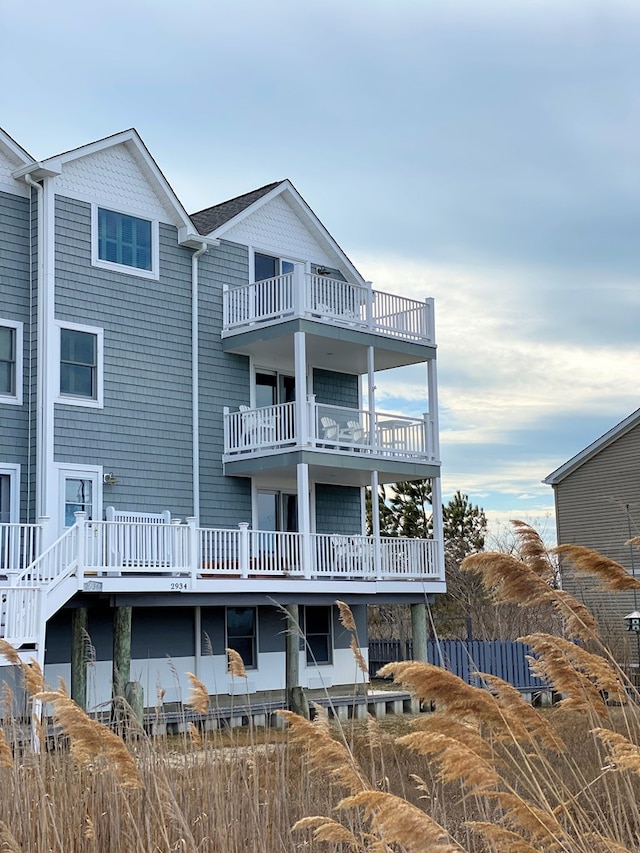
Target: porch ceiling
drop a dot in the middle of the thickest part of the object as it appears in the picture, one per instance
(332, 347)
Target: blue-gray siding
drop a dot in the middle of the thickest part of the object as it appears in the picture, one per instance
(224, 381)
(338, 509)
(333, 388)
(15, 299)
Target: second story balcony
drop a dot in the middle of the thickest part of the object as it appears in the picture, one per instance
(327, 428)
(300, 294)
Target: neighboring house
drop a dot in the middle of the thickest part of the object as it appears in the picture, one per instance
(188, 424)
(597, 500)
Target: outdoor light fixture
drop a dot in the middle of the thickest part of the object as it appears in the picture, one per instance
(323, 271)
(633, 621)
(109, 479)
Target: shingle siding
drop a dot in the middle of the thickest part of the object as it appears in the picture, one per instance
(337, 389)
(143, 434)
(591, 510)
(338, 509)
(224, 381)
(15, 305)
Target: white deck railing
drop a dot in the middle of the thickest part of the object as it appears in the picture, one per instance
(20, 544)
(328, 300)
(336, 428)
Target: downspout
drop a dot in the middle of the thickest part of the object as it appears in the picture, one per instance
(41, 357)
(195, 396)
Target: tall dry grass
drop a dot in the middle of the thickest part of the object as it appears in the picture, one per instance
(485, 771)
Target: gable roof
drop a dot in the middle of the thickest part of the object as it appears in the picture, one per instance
(133, 142)
(13, 151)
(593, 449)
(228, 214)
(210, 218)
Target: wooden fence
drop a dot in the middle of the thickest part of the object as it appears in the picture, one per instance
(464, 658)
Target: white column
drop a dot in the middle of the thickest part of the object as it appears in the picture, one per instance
(438, 535)
(371, 395)
(304, 516)
(375, 525)
(432, 388)
(300, 361)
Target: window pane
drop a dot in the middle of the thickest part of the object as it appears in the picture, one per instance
(240, 621)
(124, 239)
(5, 494)
(265, 267)
(317, 620)
(241, 633)
(318, 649)
(7, 361)
(78, 363)
(78, 497)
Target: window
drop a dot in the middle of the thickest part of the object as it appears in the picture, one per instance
(5, 498)
(267, 266)
(241, 634)
(80, 365)
(124, 239)
(78, 497)
(318, 635)
(10, 362)
(124, 242)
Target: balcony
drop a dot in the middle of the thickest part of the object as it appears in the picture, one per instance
(329, 301)
(186, 554)
(335, 429)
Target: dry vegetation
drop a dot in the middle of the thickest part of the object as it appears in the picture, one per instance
(484, 772)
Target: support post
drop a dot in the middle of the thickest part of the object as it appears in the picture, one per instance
(419, 631)
(193, 551)
(121, 649)
(300, 362)
(296, 699)
(438, 524)
(134, 696)
(371, 397)
(79, 624)
(375, 526)
(82, 544)
(243, 549)
(304, 516)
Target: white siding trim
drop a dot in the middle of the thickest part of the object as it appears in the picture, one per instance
(15, 399)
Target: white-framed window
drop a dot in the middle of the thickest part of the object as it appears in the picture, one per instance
(124, 241)
(81, 359)
(269, 266)
(9, 493)
(241, 627)
(11, 362)
(318, 633)
(80, 489)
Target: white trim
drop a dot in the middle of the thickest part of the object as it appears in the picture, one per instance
(17, 188)
(132, 140)
(98, 401)
(154, 272)
(12, 470)
(73, 471)
(17, 326)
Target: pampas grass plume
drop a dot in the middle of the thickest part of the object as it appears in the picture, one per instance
(199, 696)
(236, 664)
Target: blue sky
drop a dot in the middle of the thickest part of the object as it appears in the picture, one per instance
(484, 153)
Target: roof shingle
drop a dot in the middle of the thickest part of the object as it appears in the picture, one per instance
(210, 218)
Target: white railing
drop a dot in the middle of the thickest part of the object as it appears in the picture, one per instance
(336, 428)
(404, 558)
(20, 614)
(136, 547)
(261, 300)
(368, 557)
(328, 300)
(20, 544)
(57, 560)
(256, 429)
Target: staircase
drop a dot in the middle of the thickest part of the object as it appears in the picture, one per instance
(32, 594)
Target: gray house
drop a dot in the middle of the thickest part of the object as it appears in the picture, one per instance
(188, 423)
(597, 502)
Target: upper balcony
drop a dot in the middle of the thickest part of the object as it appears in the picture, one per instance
(331, 308)
(328, 435)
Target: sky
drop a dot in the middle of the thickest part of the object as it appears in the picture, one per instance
(483, 152)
